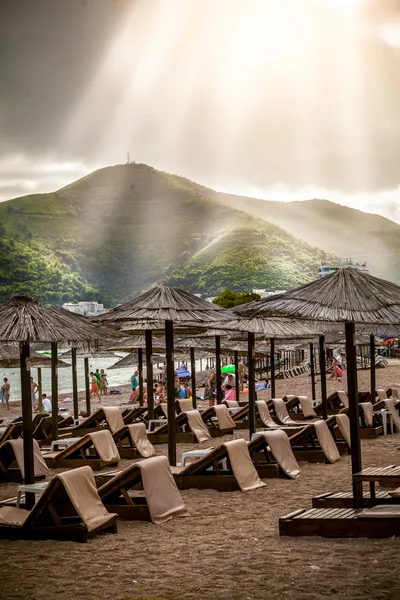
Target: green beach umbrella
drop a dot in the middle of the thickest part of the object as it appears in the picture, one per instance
(228, 369)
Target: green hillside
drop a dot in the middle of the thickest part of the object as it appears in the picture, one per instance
(112, 234)
(250, 255)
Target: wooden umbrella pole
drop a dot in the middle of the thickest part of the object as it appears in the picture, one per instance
(218, 377)
(87, 386)
(372, 367)
(149, 370)
(74, 385)
(140, 368)
(54, 391)
(40, 389)
(352, 392)
(251, 383)
(27, 427)
(322, 368)
(237, 382)
(169, 347)
(272, 345)
(193, 371)
(312, 371)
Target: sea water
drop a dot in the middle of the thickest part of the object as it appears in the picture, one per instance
(115, 377)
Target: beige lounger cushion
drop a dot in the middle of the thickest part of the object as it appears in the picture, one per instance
(105, 446)
(232, 404)
(368, 413)
(382, 395)
(282, 413)
(343, 397)
(162, 495)
(265, 415)
(164, 408)
(10, 515)
(242, 465)
(114, 418)
(326, 441)
(343, 423)
(81, 488)
(280, 446)
(185, 404)
(395, 394)
(197, 426)
(389, 403)
(139, 438)
(381, 511)
(39, 466)
(224, 419)
(306, 407)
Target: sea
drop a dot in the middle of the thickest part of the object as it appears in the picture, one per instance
(115, 377)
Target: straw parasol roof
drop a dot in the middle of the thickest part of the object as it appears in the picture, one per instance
(88, 353)
(163, 303)
(23, 319)
(273, 327)
(345, 295)
(10, 359)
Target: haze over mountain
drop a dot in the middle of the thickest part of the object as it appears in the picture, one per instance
(121, 229)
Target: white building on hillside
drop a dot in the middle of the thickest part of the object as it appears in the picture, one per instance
(88, 309)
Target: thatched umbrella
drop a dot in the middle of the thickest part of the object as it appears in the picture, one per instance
(172, 306)
(23, 320)
(346, 296)
(265, 328)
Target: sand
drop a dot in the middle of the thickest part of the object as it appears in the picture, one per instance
(229, 547)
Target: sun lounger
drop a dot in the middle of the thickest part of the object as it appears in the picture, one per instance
(282, 413)
(381, 394)
(132, 441)
(371, 425)
(95, 449)
(12, 431)
(183, 433)
(377, 522)
(315, 443)
(208, 472)
(262, 412)
(183, 405)
(69, 509)
(274, 446)
(95, 422)
(218, 420)
(12, 461)
(162, 500)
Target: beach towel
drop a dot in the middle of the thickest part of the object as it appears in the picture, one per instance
(326, 441)
(224, 419)
(281, 449)
(39, 466)
(139, 438)
(162, 495)
(105, 446)
(242, 465)
(114, 418)
(197, 426)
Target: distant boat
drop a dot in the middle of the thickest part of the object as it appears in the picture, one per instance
(327, 268)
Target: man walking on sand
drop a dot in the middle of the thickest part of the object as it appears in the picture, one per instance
(94, 387)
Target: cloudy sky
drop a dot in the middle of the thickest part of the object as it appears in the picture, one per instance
(280, 99)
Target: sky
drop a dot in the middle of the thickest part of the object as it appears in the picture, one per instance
(278, 99)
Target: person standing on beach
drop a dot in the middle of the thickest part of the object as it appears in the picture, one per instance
(241, 372)
(6, 392)
(98, 377)
(94, 389)
(104, 382)
(34, 389)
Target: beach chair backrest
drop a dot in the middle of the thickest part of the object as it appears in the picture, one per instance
(281, 449)
(197, 426)
(265, 415)
(326, 441)
(368, 411)
(343, 423)
(306, 407)
(242, 465)
(281, 412)
(343, 397)
(114, 418)
(382, 395)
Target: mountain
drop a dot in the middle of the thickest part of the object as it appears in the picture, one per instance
(110, 235)
(340, 230)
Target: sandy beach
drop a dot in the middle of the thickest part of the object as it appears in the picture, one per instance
(229, 547)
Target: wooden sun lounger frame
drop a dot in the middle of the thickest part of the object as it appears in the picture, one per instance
(79, 458)
(160, 435)
(197, 475)
(336, 523)
(57, 520)
(114, 493)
